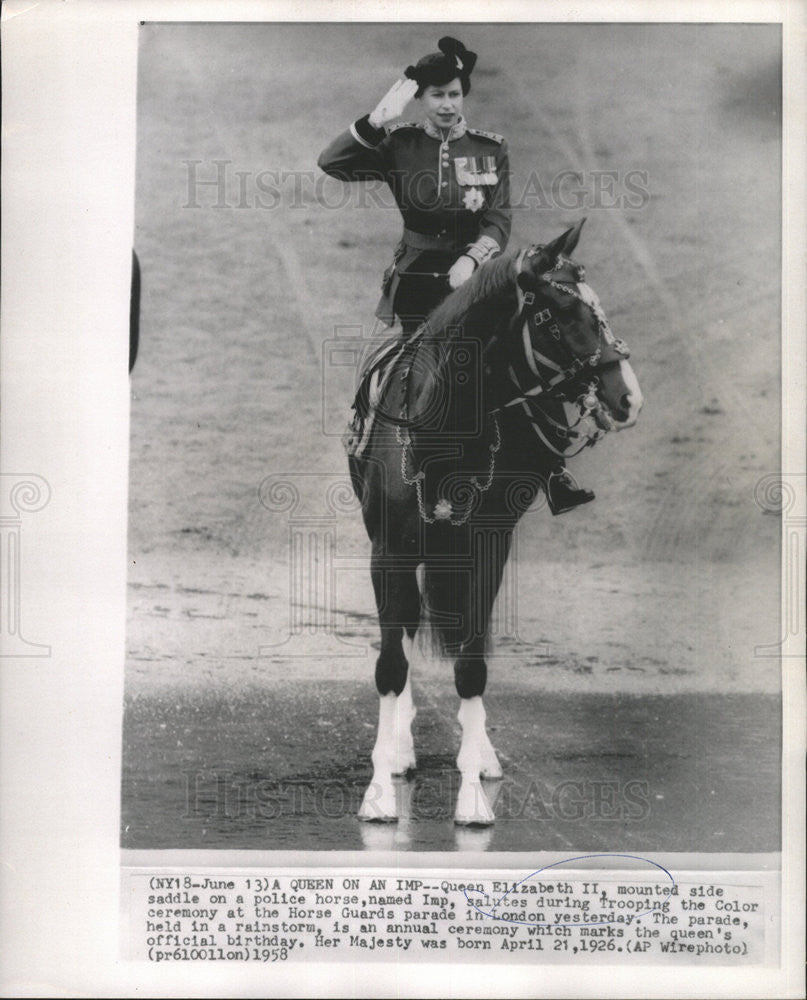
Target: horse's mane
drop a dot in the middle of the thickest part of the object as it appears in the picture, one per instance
(492, 277)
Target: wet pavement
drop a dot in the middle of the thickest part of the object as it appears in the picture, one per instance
(284, 766)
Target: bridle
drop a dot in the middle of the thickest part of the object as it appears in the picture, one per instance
(552, 376)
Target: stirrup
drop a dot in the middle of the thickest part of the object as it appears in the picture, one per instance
(563, 493)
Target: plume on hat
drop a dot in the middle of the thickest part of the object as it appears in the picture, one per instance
(454, 48)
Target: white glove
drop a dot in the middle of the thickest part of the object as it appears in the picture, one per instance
(392, 104)
(461, 270)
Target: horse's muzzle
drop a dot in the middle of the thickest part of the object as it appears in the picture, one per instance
(631, 401)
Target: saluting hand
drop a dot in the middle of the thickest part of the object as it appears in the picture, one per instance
(461, 270)
(392, 104)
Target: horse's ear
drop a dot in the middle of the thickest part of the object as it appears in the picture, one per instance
(572, 236)
(565, 243)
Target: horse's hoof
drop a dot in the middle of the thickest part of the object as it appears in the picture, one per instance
(473, 808)
(379, 836)
(472, 838)
(378, 804)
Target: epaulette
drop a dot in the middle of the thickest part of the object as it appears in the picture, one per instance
(487, 135)
(394, 128)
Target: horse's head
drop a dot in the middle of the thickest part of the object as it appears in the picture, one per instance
(568, 348)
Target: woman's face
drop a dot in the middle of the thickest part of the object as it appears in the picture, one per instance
(443, 104)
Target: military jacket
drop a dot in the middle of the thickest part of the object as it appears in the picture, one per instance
(452, 188)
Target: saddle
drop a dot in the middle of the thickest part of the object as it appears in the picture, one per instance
(373, 380)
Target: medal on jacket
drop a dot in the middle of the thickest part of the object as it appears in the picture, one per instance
(475, 170)
(473, 199)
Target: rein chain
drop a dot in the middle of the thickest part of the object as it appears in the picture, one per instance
(442, 509)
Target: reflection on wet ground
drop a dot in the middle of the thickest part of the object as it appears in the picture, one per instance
(285, 768)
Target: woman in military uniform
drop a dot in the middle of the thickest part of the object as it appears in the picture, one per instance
(449, 181)
(451, 184)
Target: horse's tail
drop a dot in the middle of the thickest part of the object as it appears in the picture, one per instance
(448, 608)
(440, 611)
(459, 592)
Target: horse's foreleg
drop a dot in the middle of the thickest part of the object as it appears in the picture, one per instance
(393, 753)
(470, 674)
(477, 758)
(379, 798)
(398, 601)
(403, 741)
(474, 756)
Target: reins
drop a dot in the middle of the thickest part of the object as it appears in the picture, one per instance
(553, 377)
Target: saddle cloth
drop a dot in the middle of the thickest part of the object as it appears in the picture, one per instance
(373, 379)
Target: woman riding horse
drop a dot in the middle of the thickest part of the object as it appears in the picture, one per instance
(459, 450)
(451, 184)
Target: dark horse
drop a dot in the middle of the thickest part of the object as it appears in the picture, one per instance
(463, 439)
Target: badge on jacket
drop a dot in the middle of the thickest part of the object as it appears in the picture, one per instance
(474, 170)
(473, 199)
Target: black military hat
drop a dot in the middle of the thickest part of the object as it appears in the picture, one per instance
(438, 68)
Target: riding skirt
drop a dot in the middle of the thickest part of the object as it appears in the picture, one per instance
(417, 279)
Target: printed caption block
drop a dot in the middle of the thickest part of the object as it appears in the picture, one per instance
(651, 917)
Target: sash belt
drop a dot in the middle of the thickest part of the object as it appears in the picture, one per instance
(421, 241)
